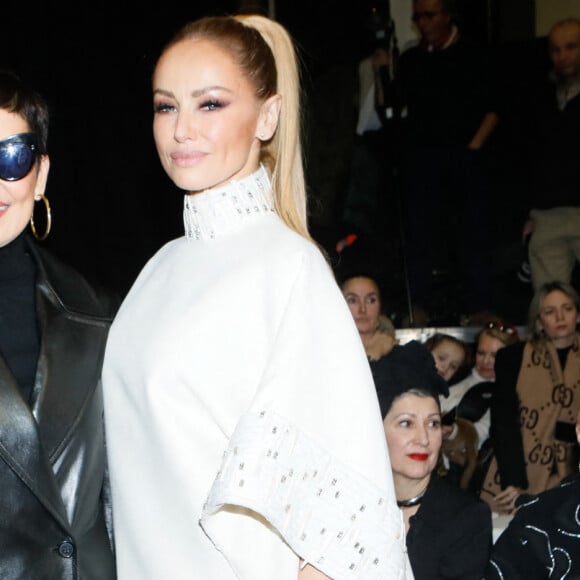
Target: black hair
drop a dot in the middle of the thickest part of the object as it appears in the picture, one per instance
(17, 97)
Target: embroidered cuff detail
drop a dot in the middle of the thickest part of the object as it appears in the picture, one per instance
(331, 516)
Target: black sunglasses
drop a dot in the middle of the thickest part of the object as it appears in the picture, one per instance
(17, 156)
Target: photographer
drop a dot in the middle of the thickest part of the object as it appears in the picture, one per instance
(364, 209)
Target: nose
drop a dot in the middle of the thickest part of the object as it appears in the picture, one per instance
(422, 436)
(559, 315)
(184, 127)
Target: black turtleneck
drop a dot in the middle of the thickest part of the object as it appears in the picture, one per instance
(19, 336)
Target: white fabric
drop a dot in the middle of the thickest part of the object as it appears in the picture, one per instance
(368, 119)
(456, 393)
(241, 316)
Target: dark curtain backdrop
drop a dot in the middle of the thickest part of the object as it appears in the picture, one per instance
(112, 204)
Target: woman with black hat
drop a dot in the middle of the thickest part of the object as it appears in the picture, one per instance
(449, 532)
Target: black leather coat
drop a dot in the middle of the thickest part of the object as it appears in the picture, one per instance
(52, 454)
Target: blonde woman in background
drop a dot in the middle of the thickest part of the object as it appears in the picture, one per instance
(535, 401)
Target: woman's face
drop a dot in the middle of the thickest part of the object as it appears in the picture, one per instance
(413, 430)
(559, 317)
(208, 122)
(362, 297)
(448, 357)
(17, 197)
(487, 346)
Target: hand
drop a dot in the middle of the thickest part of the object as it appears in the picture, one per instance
(505, 501)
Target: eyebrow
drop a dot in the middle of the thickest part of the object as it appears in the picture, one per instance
(195, 94)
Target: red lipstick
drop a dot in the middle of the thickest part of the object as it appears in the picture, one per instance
(419, 456)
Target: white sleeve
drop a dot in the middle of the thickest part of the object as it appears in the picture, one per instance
(331, 516)
(316, 407)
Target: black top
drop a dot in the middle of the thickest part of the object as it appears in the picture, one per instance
(450, 536)
(447, 92)
(543, 538)
(505, 429)
(551, 139)
(19, 336)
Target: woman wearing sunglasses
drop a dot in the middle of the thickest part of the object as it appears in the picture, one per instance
(535, 402)
(53, 327)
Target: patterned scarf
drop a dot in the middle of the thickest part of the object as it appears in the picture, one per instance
(547, 395)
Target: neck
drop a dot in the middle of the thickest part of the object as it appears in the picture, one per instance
(446, 41)
(410, 492)
(366, 337)
(563, 342)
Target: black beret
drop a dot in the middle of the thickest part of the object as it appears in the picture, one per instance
(408, 366)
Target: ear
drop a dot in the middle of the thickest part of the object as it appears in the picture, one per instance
(268, 118)
(41, 176)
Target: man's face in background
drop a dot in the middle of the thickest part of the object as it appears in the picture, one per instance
(433, 23)
(564, 45)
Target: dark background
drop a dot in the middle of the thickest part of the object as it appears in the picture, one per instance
(112, 204)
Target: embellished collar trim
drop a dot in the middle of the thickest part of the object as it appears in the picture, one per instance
(223, 210)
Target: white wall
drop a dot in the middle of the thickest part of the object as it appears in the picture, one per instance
(549, 11)
(401, 14)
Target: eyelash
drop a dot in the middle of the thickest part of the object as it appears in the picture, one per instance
(209, 105)
(435, 423)
(162, 107)
(212, 105)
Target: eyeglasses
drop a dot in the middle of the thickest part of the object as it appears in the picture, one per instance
(498, 325)
(17, 156)
(427, 15)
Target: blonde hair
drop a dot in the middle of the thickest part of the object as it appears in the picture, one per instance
(536, 334)
(265, 53)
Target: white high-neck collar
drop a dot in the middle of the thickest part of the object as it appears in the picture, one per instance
(225, 209)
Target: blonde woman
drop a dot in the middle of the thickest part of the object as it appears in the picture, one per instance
(535, 401)
(241, 454)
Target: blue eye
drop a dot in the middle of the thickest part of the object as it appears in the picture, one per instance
(163, 108)
(212, 105)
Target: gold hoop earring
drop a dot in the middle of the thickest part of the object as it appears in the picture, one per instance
(48, 220)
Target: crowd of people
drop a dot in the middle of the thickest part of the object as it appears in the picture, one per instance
(460, 136)
(502, 440)
(246, 411)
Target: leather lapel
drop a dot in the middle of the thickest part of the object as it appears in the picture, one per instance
(68, 371)
(21, 448)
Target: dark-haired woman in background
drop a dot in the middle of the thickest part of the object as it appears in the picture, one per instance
(449, 531)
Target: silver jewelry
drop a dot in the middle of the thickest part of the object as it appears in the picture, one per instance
(405, 503)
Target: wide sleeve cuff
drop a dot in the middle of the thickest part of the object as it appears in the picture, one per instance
(331, 516)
